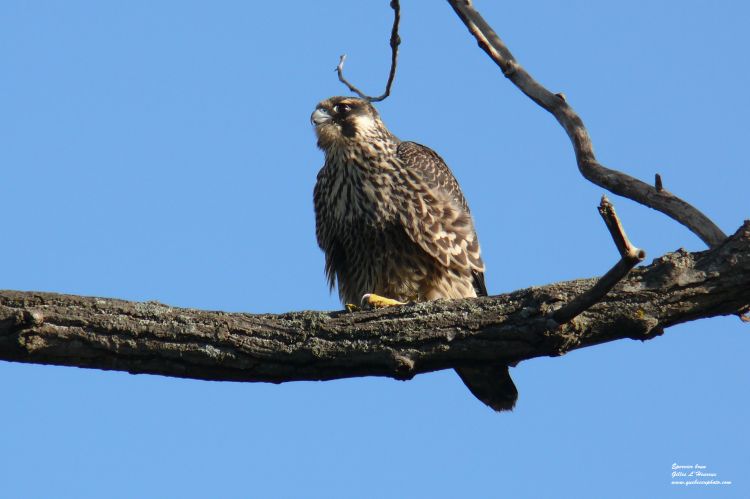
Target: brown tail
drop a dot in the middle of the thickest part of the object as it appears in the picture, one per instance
(492, 385)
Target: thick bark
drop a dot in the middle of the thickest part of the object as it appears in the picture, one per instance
(401, 342)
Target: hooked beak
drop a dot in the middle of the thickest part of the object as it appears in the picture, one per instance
(320, 116)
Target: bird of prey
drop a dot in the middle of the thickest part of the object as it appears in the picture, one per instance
(395, 226)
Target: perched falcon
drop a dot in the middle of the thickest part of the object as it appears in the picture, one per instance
(394, 224)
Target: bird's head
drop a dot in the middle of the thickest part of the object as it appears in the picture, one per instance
(338, 120)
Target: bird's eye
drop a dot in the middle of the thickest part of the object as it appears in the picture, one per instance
(342, 108)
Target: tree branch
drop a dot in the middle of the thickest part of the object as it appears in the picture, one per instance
(630, 256)
(149, 337)
(612, 180)
(395, 42)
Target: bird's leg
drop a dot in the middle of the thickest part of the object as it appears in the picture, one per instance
(371, 300)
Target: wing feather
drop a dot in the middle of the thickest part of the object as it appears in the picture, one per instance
(436, 215)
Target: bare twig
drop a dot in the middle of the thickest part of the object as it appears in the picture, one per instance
(612, 180)
(395, 42)
(657, 183)
(624, 246)
(630, 256)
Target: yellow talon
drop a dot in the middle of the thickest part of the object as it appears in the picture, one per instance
(371, 300)
(351, 307)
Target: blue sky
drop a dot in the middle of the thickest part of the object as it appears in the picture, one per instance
(162, 151)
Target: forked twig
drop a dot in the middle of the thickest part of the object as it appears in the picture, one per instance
(395, 42)
(630, 256)
(612, 180)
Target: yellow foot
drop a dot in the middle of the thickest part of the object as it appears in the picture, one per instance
(371, 300)
(351, 307)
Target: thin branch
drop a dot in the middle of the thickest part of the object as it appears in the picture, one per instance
(624, 246)
(630, 256)
(45, 328)
(395, 42)
(612, 180)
